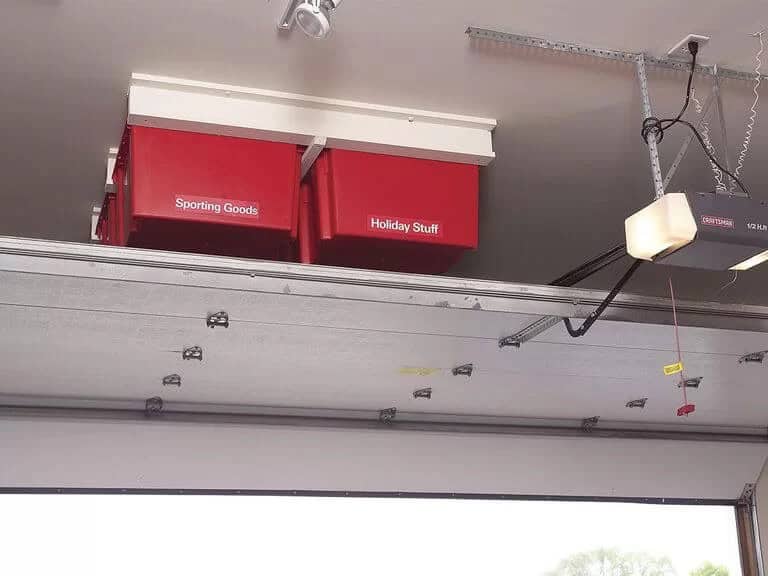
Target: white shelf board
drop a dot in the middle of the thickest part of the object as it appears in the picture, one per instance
(205, 107)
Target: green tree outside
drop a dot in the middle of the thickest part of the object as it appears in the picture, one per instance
(709, 569)
(612, 562)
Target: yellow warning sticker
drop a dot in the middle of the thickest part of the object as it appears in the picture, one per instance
(417, 371)
(673, 369)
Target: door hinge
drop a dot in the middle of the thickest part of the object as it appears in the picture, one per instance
(172, 380)
(463, 370)
(192, 353)
(217, 319)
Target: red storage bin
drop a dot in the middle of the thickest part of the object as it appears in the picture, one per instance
(388, 212)
(106, 227)
(191, 192)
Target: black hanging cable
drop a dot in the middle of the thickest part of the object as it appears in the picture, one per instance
(655, 127)
(591, 266)
(592, 318)
(693, 48)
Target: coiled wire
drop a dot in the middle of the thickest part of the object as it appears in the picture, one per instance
(719, 185)
(753, 110)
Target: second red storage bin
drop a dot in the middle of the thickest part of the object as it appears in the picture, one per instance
(384, 212)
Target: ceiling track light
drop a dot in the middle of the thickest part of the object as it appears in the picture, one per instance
(312, 16)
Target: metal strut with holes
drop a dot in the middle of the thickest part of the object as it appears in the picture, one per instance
(604, 53)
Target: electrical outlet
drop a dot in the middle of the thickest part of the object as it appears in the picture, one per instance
(680, 50)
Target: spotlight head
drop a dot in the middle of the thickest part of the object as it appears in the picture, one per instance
(314, 16)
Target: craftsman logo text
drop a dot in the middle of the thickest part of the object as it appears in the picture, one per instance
(718, 221)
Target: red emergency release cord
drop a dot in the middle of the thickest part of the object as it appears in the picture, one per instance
(686, 408)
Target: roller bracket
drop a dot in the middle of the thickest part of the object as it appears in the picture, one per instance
(192, 353)
(463, 370)
(217, 319)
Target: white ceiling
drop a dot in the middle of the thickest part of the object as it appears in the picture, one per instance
(570, 163)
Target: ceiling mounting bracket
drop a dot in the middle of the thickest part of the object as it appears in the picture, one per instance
(680, 50)
(289, 15)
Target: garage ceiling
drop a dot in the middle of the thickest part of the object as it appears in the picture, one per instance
(570, 162)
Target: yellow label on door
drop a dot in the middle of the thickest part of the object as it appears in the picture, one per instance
(673, 369)
(416, 371)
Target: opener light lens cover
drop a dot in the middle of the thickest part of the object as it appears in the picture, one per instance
(662, 227)
(752, 262)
